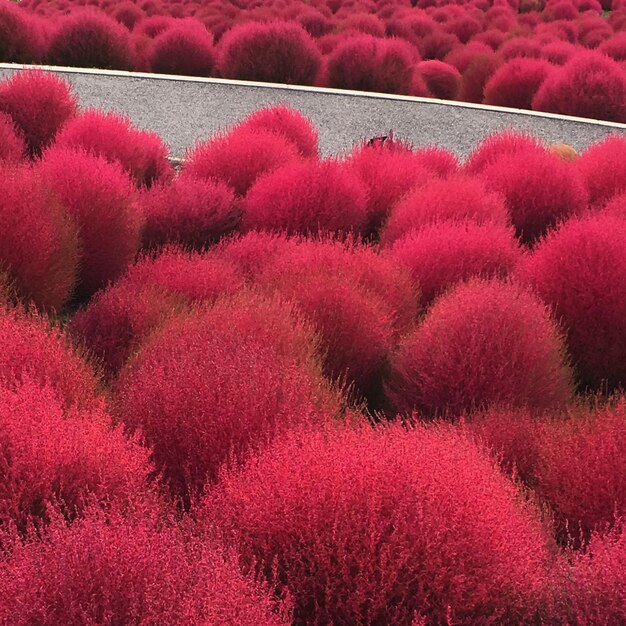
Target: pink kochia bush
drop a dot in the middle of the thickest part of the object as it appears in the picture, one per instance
(191, 211)
(216, 382)
(380, 525)
(184, 48)
(278, 52)
(38, 241)
(21, 40)
(307, 197)
(133, 570)
(443, 80)
(239, 157)
(481, 344)
(578, 269)
(40, 104)
(370, 63)
(52, 455)
(497, 146)
(101, 200)
(35, 350)
(445, 253)
(12, 144)
(141, 153)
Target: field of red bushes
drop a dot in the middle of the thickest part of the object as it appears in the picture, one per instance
(271, 388)
(559, 56)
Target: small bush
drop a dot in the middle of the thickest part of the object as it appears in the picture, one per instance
(12, 144)
(443, 80)
(500, 145)
(21, 40)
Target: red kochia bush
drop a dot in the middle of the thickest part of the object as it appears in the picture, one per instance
(443, 254)
(91, 39)
(38, 243)
(443, 80)
(53, 455)
(288, 123)
(12, 144)
(369, 63)
(458, 198)
(128, 13)
(191, 211)
(481, 344)
(183, 48)
(20, 41)
(378, 525)
(540, 189)
(35, 350)
(497, 146)
(579, 270)
(239, 157)
(141, 153)
(100, 198)
(39, 103)
(603, 168)
(275, 52)
(308, 197)
(114, 570)
(516, 82)
(217, 382)
(590, 85)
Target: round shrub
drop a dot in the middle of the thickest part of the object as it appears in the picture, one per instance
(140, 152)
(476, 76)
(590, 85)
(190, 211)
(516, 82)
(439, 161)
(603, 169)
(90, 39)
(577, 270)
(39, 103)
(38, 242)
(497, 146)
(443, 80)
(308, 197)
(12, 144)
(275, 52)
(184, 48)
(37, 351)
(369, 63)
(481, 344)
(380, 525)
(443, 254)
(100, 198)
(136, 571)
(240, 157)
(212, 384)
(539, 188)
(128, 14)
(458, 198)
(559, 52)
(520, 47)
(20, 41)
(289, 124)
(615, 47)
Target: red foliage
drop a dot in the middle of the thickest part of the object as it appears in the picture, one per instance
(443, 254)
(615, 47)
(240, 157)
(367, 63)
(516, 82)
(141, 153)
(183, 48)
(275, 52)
(100, 199)
(603, 168)
(90, 38)
(590, 85)
(457, 198)
(217, 382)
(374, 526)
(38, 243)
(308, 197)
(500, 145)
(443, 80)
(190, 211)
(114, 570)
(37, 351)
(577, 269)
(21, 40)
(128, 13)
(520, 47)
(483, 343)
(52, 455)
(540, 190)
(154, 26)
(558, 52)
(40, 104)
(476, 76)
(12, 144)
(288, 123)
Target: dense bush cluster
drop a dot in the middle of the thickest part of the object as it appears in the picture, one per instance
(278, 388)
(559, 56)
